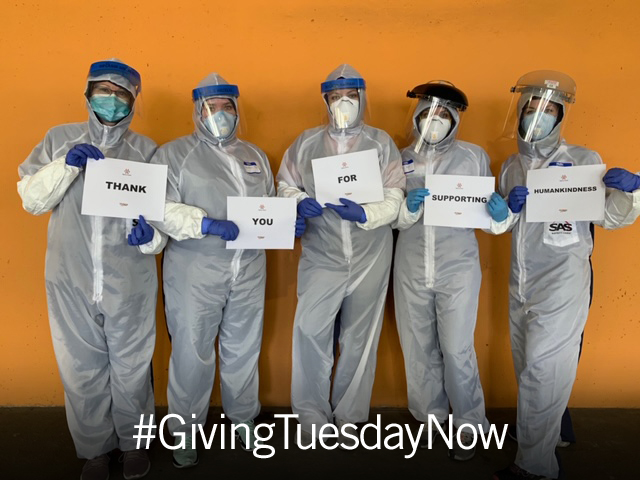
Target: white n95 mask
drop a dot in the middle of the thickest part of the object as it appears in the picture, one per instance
(438, 129)
(345, 112)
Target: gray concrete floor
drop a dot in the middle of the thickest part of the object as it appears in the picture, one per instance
(36, 444)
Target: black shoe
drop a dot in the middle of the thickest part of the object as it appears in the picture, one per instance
(514, 472)
(512, 432)
(96, 468)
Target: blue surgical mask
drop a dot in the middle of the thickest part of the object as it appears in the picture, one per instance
(109, 107)
(543, 126)
(220, 124)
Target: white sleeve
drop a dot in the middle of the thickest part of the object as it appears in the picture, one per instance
(384, 212)
(42, 191)
(406, 219)
(621, 209)
(181, 221)
(506, 225)
(156, 245)
(287, 191)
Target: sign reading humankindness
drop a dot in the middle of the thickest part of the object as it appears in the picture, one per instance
(566, 194)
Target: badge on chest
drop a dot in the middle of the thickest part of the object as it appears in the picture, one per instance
(252, 168)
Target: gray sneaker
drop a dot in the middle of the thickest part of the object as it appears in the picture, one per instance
(96, 468)
(136, 464)
(463, 454)
(435, 433)
(348, 442)
(246, 436)
(185, 457)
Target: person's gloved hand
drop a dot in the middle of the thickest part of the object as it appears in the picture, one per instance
(621, 179)
(415, 197)
(497, 207)
(349, 210)
(309, 208)
(226, 229)
(301, 226)
(517, 198)
(141, 233)
(77, 156)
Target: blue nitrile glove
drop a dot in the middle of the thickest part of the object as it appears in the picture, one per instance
(497, 207)
(621, 179)
(301, 226)
(77, 156)
(141, 233)
(415, 197)
(517, 198)
(309, 208)
(349, 210)
(224, 228)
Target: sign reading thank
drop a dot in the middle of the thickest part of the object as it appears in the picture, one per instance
(124, 189)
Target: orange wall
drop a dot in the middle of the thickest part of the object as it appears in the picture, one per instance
(279, 52)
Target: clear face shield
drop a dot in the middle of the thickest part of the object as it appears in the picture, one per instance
(540, 110)
(435, 114)
(346, 102)
(217, 111)
(113, 90)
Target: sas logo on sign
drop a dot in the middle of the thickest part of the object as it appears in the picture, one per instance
(565, 227)
(459, 186)
(127, 172)
(564, 178)
(345, 165)
(261, 208)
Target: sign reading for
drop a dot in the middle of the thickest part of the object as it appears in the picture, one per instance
(355, 176)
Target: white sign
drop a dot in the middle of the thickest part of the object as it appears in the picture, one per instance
(264, 222)
(566, 193)
(124, 189)
(458, 201)
(355, 176)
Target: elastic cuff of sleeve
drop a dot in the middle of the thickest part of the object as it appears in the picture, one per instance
(206, 224)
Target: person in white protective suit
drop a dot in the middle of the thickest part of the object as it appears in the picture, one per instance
(101, 289)
(345, 262)
(211, 292)
(437, 272)
(549, 287)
